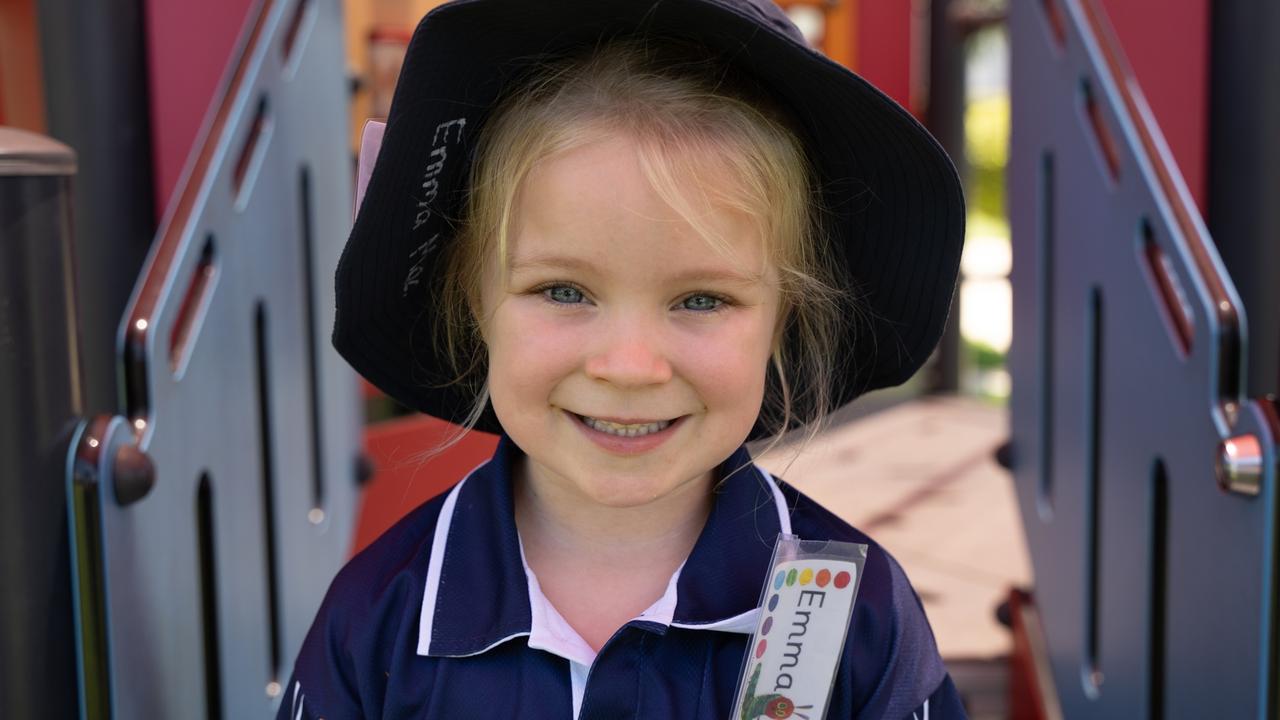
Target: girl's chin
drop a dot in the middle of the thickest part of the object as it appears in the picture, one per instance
(623, 493)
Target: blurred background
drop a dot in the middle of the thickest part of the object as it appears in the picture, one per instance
(1080, 484)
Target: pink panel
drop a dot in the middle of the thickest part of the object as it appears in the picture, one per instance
(1167, 44)
(884, 47)
(189, 43)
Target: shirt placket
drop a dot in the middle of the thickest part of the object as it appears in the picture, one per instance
(613, 689)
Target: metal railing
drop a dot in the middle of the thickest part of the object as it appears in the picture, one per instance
(210, 517)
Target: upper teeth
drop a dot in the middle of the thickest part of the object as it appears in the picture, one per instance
(625, 430)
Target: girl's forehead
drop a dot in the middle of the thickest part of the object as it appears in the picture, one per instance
(609, 202)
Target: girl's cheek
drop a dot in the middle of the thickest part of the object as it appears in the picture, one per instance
(729, 358)
(744, 337)
(547, 321)
(539, 335)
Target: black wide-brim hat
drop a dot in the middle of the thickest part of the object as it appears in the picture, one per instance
(894, 207)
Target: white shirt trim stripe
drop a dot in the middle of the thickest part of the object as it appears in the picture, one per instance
(427, 617)
(298, 700)
(780, 502)
(491, 645)
(744, 623)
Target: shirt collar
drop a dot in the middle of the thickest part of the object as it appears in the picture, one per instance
(477, 592)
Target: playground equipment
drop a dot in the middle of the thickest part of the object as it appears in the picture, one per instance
(1146, 474)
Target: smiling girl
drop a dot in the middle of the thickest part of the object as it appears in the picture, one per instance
(628, 236)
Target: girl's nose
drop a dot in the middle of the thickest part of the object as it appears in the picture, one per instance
(629, 355)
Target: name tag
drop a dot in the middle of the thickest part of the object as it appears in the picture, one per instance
(805, 611)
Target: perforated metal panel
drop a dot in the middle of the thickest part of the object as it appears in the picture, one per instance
(211, 575)
(1155, 581)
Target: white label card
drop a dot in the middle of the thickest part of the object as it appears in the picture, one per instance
(793, 656)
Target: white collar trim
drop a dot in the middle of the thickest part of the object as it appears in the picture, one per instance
(549, 631)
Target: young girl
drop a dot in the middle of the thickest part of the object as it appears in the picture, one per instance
(629, 236)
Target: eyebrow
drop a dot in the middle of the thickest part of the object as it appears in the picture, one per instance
(696, 274)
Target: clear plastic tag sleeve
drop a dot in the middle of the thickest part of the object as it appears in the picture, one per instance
(805, 609)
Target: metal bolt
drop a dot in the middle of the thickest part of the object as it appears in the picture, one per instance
(1239, 465)
(134, 474)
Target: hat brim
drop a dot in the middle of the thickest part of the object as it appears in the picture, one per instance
(895, 207)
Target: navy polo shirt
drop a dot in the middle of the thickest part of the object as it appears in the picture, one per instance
(441, 618)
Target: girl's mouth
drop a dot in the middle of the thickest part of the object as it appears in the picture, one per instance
(627, 438)
(625, 429)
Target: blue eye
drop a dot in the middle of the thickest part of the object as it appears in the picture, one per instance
(701, 303)
(565, 294)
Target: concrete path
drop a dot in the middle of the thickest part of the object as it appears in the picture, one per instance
(920, 478)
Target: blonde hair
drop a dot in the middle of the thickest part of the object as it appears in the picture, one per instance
(682, 109)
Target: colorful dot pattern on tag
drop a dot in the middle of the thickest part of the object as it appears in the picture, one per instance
(789, 578)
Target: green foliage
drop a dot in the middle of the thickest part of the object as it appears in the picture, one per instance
(987, 143)
(983, 356)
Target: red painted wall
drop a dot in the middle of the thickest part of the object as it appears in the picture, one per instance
(884, 49)
(1166, 41)
(21, 78)
(400, 480)
(1167, 44)
(189, 44)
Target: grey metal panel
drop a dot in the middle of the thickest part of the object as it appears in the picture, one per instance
(316, 136)
(189, 611)
(1078, 233)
